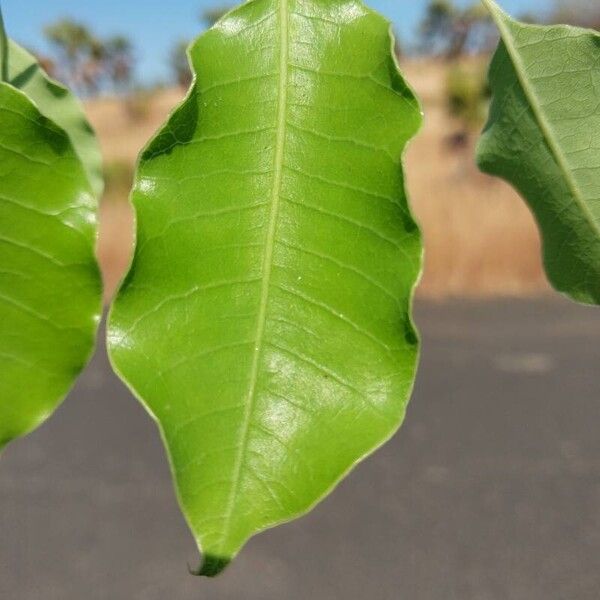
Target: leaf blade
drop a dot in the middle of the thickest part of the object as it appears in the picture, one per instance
(50, 290)
(293, 188)
(542, 137)
(61, 106)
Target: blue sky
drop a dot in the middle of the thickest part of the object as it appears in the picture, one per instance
(155, 25)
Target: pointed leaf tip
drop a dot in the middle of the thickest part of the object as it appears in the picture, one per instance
(211, 566)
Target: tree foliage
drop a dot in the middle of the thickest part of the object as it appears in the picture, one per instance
(583, 13)
(210, 16)
(180, 65)
(451, 31)
(467, 94)
(87, 62)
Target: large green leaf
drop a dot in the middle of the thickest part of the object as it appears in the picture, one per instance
(50, 290)
(543, 136)
(265, 322)
(61, 106)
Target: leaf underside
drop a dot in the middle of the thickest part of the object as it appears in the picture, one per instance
(543, 136)
(265, 321)
(59, 105)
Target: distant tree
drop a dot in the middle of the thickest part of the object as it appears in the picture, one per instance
(178, 59)
(73, 43)
(398, 50)
(210, 16)
(92, 68)
(451, 31)
(119, 61)
(88, 63)
(529, 17)
(180, 64)
(467, 94)
(437, 25)
(46, 63)
(479, 34)
(585, 13)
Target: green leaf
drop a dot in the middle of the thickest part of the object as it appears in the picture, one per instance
(265, 322)
(50, 289)
(543, 136)
(61, 106)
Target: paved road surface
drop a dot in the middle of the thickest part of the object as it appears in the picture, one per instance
(491, 491)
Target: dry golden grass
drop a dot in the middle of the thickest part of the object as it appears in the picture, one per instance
(114, 245)
(480, 239)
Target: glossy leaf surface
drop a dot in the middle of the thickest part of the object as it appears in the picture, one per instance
(543, 136)
(50, 289)
(265, 322)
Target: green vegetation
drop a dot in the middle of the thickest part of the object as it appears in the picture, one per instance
(468, 95)
(583, 13)
(179, 59)
(265, 322)
(50, 289)
(210, 16)
(543, 136)
(452, 31)
(87, 62)
(180, 65)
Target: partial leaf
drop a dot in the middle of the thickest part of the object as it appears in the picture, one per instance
(543, 136)
(60, 105)
(265, 322)
(50, 290)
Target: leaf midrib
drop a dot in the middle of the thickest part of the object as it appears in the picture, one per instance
(267, 264)
(535, 105)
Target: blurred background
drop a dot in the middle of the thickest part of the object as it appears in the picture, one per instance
(492, 488)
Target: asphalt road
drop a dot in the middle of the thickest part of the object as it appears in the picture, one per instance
(491, 490)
